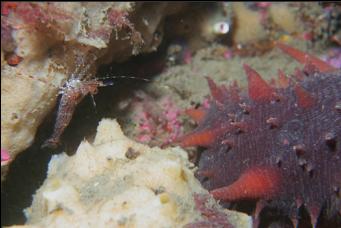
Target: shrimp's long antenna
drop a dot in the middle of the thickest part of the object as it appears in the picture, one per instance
(124, 77)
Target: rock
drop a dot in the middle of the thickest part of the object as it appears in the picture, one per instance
(103, 185)
(49, 43)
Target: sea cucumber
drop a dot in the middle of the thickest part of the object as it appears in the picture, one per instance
(277, 144)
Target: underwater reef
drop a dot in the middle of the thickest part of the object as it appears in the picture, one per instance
(97, 97)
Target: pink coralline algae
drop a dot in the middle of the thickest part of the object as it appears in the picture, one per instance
(228, 54)
(187, 59)
(34, 13)
(263, 4)
(171, 113)
(7, 7)
(28, 16)
(5, 157)
(333, 57)
(160, 123)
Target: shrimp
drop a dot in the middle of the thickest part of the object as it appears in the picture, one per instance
(73, 93)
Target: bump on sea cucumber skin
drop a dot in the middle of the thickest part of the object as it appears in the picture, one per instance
(294, 130)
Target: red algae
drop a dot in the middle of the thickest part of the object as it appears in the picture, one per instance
(212, 217)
